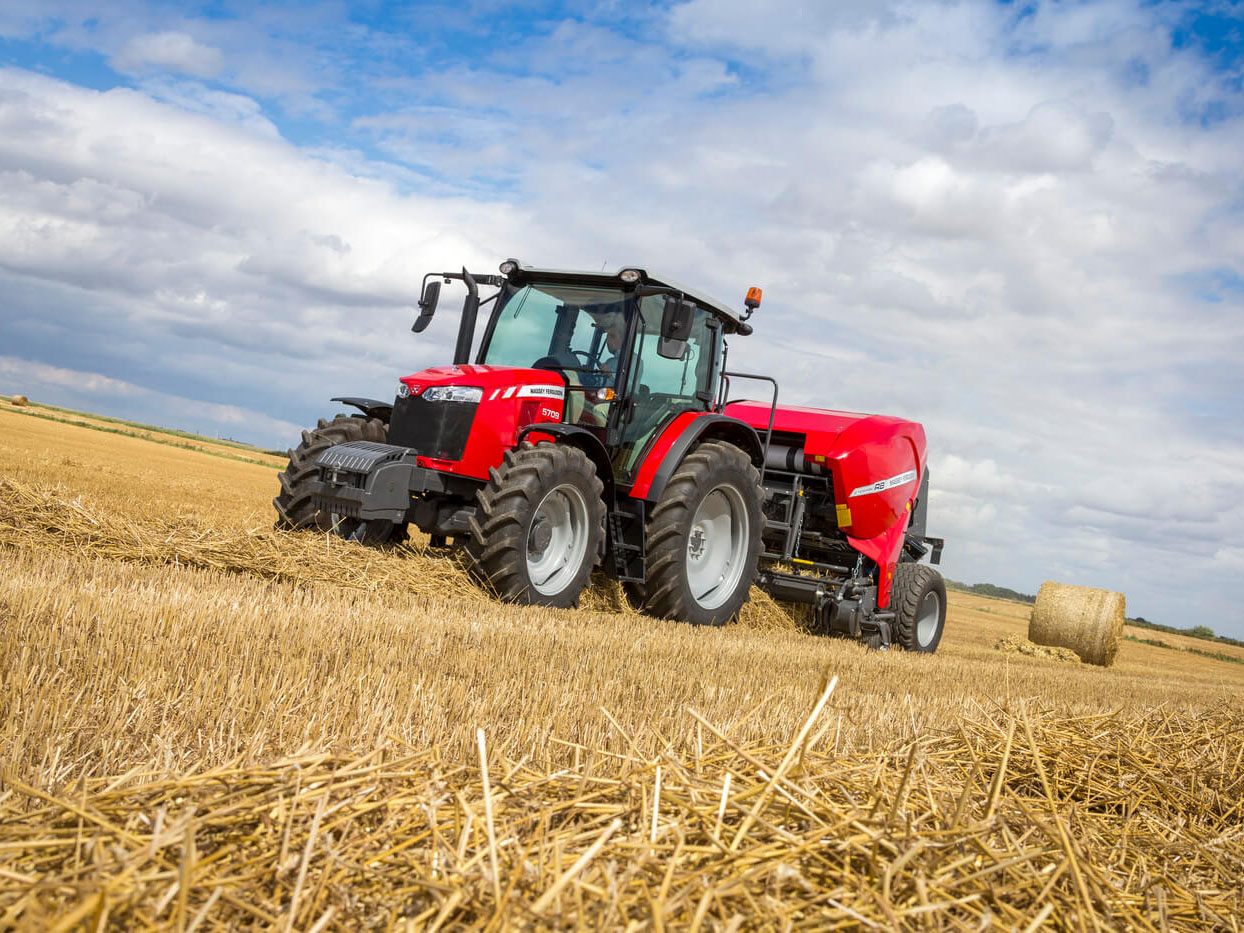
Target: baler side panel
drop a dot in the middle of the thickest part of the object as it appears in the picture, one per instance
(878, 480)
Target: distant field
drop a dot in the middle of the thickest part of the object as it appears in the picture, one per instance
(156, 632)
(233, 450)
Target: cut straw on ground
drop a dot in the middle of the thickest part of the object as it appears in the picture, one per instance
(981, 831)
(38, 516)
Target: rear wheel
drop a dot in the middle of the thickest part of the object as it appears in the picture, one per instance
(294, 506)
(919, 602)
(704, 537)
(539, 526)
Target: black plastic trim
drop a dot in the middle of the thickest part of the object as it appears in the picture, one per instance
(371, 407)
(383, 488)
(706, 427)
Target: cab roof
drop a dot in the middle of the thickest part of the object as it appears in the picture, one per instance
(729, 318)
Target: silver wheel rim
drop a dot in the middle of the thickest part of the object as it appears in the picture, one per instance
(561, 516)
(717, 547)
(927, 617)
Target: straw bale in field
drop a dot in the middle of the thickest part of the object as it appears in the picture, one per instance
(1014, 645)
(20, 400)
(1089, 621)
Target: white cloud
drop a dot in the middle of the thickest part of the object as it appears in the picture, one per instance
(174, 51)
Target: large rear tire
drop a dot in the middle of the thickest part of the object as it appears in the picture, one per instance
(704, 537)
(539, 526)
(294, 506)
(918, 598)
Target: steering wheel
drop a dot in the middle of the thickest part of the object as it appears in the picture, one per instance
(548, 362)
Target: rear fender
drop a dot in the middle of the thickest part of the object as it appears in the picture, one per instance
(583, 439)
(680, 437)
(372, 408)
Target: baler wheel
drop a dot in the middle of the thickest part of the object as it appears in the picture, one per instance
(539, 526)
(918, 598)
(294, 507)
(704, 537)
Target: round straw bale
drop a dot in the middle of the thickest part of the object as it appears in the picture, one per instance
(19, 400)
(1086, 620)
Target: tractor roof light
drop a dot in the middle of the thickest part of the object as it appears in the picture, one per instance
(752, 301)
(509, 267)
(630, 276)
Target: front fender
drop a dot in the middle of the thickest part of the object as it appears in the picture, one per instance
(372, 408)
(677, 440)
(582, 438)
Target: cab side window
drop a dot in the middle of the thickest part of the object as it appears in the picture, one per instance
(662, 388)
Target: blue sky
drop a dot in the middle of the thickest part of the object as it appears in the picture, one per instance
(1021, 224)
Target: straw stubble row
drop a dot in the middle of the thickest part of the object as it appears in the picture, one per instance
(1010, 817)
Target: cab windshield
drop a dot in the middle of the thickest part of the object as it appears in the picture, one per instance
(572, 328)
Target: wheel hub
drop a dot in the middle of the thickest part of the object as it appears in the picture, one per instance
(696, 542)
(541, 535)
(717, 546)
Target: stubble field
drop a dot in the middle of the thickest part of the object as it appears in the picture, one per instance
(207, 724)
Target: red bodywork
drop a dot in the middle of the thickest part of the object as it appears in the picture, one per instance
(503, 410)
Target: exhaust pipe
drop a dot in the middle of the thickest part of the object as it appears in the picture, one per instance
(466, 327)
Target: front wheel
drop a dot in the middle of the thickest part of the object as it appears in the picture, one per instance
(704, 537)
(539, 526)
(919, 602)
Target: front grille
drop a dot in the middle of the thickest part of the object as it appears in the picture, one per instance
(432, 429)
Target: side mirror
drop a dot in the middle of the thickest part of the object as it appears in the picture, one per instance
(675, 328)
(427, 305)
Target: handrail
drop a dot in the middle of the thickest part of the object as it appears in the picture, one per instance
(772, 410)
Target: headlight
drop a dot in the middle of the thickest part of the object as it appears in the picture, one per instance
(629, 276)
(453, 394)
(509, 267)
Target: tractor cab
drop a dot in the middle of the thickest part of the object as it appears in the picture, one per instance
(624, 377)
(632, 351)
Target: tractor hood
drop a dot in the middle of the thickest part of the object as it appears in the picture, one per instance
(462, 419)
(495, 381)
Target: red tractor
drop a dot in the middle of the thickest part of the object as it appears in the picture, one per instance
(596, 426)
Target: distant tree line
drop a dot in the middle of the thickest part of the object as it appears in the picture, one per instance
(1196, 631)
(988, 589)
(1001, 592)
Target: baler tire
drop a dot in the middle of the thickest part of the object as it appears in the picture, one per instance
(498, 547)
(913, 585)
(666, 591)
(293, 504)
